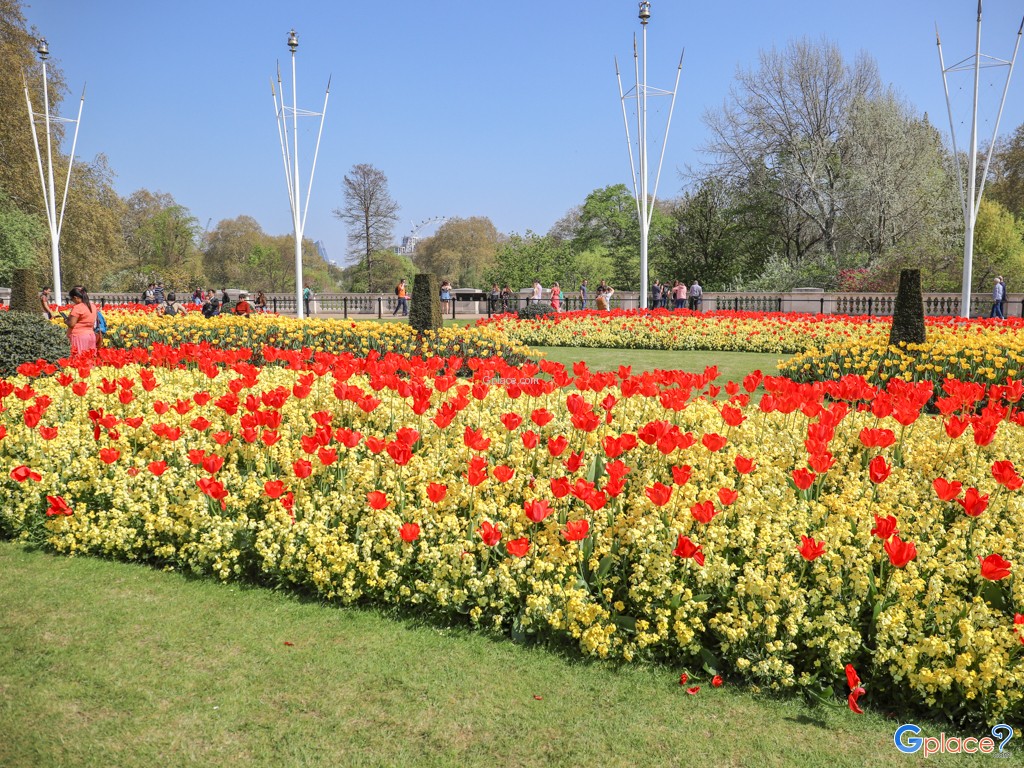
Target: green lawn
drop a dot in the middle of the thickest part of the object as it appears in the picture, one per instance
(110, 664)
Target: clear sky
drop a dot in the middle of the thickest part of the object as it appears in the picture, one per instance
(500, 108)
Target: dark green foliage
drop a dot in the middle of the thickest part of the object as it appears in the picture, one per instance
(908, 314)
(425, 307)
(24, 290)
(26, 337)
(533, 311)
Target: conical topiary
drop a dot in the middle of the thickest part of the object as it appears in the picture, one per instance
(908, 314)
(425, 308)
(24, 290)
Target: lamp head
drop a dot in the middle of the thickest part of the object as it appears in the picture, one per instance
(645, 12)
(42, 49)
(293, 41)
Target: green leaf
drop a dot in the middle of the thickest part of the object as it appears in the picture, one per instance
(596, 469)
(625, 623)
(604, 566)
(710, 662)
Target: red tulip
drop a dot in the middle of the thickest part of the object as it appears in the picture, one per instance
(703, 511)
(537, 510)
(851, 700)
(900, 552)
(302, 468)
(576, 530)
(713, 442)
(58, 507)
(810, 549)
(877, 438)
(744, 465)
(503, 473)
(716, 681)
(518, 547)
(557, 445)
(477, 471)
(803, 478)
(659, 494)
(560, 487)
(409, 532)
(327, 456)
(681, 475)
(274, 488)
(687, 549)
(974, 503)
(994, 567)
(694, 690)
(947, 491)
(1005, 475)
(377, 499)
(530, 439)
(878, 470)
(213, 463)
(157, 467)
(511, 421)
(885, 527)
(541, 417)
(684, 678)
(491, 534)
(109, 455)
(727, 496)
(436, 492)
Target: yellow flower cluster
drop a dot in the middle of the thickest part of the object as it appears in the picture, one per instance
(981, 352)
(366, 481)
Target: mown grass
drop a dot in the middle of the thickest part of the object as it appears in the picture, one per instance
(109, 664)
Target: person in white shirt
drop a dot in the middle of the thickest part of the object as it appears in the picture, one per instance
(538, 292)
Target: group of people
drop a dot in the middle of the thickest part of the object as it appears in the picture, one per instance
(678, 294)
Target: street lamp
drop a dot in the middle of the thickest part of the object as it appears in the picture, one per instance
(970, 199)
(290, 156)
(54, 221)
(639, 169)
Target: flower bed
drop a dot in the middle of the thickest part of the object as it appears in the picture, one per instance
(770, 332)
(630, 515)
(139, 330)
(985, 352)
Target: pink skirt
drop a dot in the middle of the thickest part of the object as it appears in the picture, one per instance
(82, 342)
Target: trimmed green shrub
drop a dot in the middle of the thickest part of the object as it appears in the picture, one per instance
(26, 337)
(24, 290)
(533, 311)
(425, 308)
(908, 314)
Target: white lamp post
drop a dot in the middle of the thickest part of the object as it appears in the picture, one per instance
(641, 177)
(290, 155)
(970, 199)
(54, 221)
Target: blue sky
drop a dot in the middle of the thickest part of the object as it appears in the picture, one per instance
(506, 109)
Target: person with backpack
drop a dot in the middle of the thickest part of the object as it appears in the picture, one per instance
(149, 295)
(100, 328)
(307, 294)
(403, 299)
(173, 306)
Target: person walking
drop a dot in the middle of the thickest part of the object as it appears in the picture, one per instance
(506, 299)
(556, 297)
(583, 294)
(81, 322)
(261, 301)
(307, 295)
(696, 294)
(538, 291)
(403, 298)
(998, 296)
(493, 298)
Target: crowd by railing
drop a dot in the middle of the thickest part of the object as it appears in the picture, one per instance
(477, 304)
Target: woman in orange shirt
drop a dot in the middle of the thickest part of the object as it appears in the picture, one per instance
(81, 322)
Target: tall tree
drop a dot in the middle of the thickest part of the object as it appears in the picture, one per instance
(785, 125)
(19, 174)
(21, 237)
(161, 239)
(1007, 185)
(370, 213)
(462, 250)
